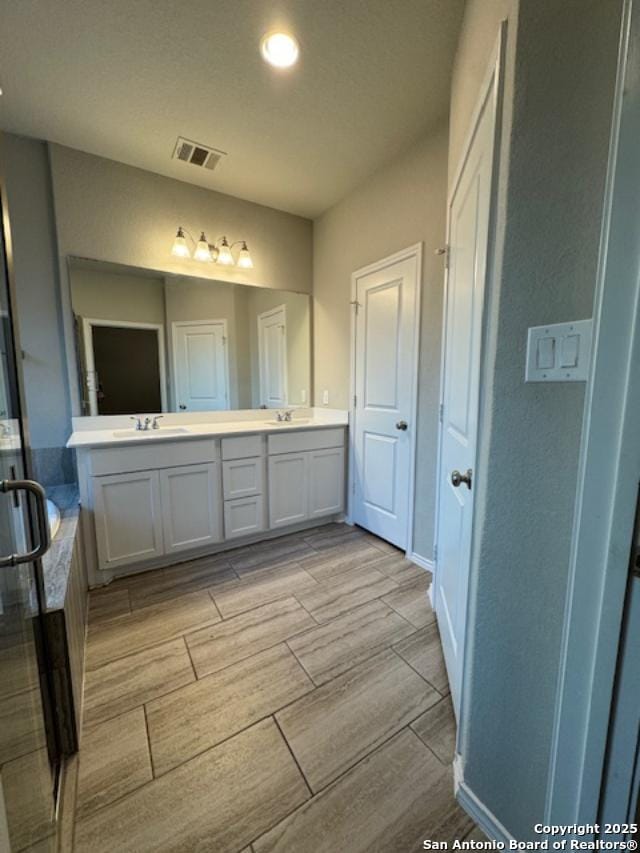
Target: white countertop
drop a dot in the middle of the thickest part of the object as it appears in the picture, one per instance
(102, 437)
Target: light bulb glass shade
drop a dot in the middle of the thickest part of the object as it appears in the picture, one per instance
(244, 258)
(224, 254)
(279, 49)
(180, 248)
(202, 252)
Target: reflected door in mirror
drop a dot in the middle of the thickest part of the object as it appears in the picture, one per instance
(201, 367)
(272, 338)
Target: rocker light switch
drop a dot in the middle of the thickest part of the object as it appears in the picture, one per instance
(545, 356)
(570, 350)
(559, 353)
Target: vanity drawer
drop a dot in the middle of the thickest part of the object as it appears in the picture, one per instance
(156, 454)
(242, 446)
(313, 439)
(242, 477)
(243, 516)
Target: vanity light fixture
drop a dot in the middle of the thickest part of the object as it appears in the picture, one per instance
(180, 248)
(244, 257)
(279, 49)
(202, 252)
(218, 252)
(224, 254)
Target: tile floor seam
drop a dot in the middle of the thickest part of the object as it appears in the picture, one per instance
(378, 746)
(293, 756)
(235, 734)
(193, 666)
(146, 728)
(426, 680)
(169, 639)
(435, 754)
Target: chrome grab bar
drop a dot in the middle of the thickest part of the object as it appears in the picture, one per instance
(44, 534)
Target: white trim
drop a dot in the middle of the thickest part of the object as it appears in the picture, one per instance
(261, 317)
(175, 325)
(90, 365)
(414, 251)
(482, 816)
(608, 475)
(493, 82)
(423, 562)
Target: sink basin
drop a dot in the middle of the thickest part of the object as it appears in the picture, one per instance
(294, 422)
(149, 433)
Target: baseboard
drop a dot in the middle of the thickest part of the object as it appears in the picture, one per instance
(484, 818)
(423, 562)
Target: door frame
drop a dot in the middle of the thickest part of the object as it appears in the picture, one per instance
(260, 317)
(88, 324)
(413, 251)
(174, 352)
(608, 474)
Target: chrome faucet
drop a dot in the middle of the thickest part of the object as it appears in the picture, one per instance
(155, 424)
(284, 416)
(140, 425)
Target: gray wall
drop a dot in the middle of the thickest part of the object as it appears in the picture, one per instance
(402, 204)
(558, 98)
(112, 212)
(25, 165)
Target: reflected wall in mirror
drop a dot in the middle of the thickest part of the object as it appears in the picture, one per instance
(148, 342)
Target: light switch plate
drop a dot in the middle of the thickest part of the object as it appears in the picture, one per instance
(559, 352)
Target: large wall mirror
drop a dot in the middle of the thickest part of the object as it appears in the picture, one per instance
(149, 342)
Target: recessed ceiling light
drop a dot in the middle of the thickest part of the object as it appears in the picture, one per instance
(279, 49)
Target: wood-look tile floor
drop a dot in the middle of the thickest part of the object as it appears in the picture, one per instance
(286, 696)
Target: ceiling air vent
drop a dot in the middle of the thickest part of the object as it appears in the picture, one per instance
(197, 154)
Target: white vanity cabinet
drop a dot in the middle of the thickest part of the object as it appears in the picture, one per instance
(288, 489)
(152, 503)
(243, 477)
(128, 518)
(191, 506)
(308, 483)
(152, 500)
(326, 482)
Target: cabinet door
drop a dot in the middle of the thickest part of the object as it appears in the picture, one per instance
(242, 477)
(326, 482)
(288, 489)
(127, 517)
(243, 516)
(191, 506)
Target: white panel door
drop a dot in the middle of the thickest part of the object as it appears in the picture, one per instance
(469, 214)
(272, 343)
(288, 489)
(385, 338)
(326, 482)
(191, 506)
(201, 368)
(128, 518)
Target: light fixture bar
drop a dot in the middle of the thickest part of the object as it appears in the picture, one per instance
(219, 252)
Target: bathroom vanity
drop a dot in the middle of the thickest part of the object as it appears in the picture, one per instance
(192, 487)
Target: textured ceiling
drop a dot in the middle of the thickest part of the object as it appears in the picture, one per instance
(123, 79)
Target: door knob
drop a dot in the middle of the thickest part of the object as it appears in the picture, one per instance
(402, 425)
(182, 406)
(457, 478)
